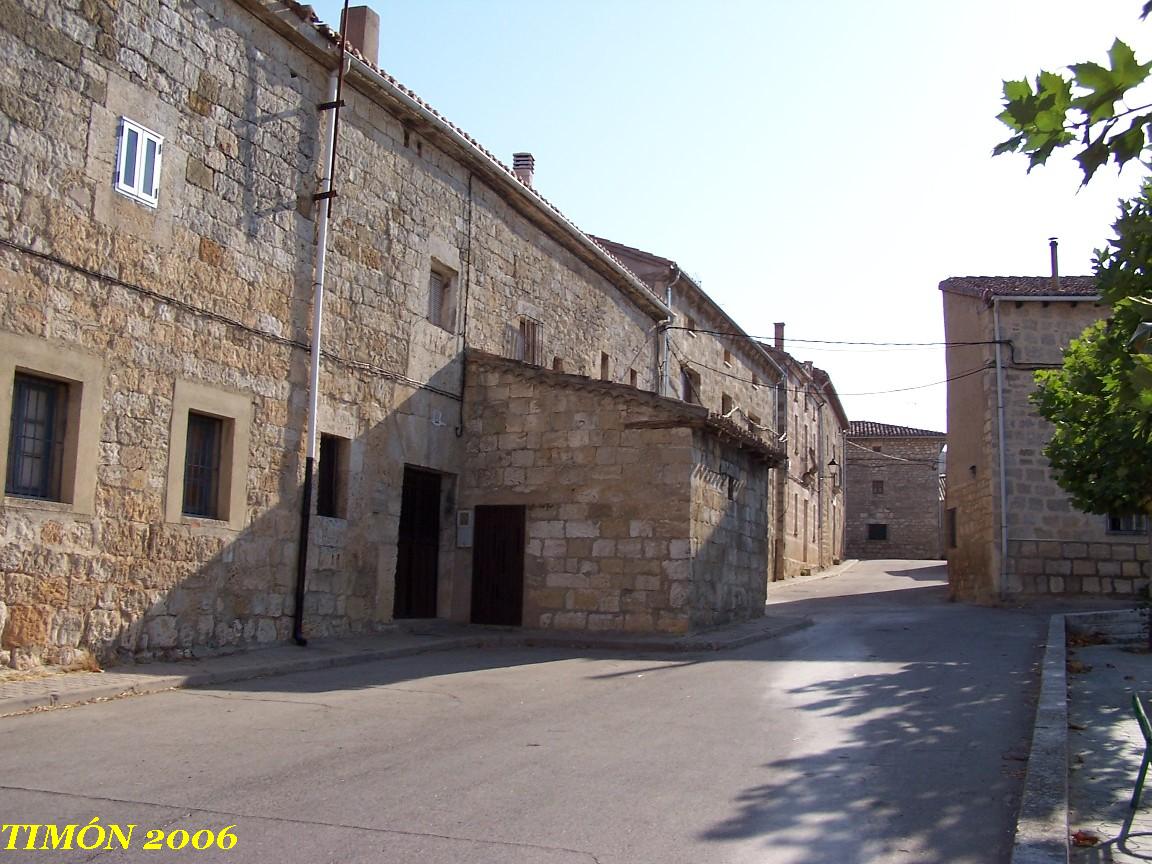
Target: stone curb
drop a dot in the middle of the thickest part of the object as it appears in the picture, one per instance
(141, 683)
(1042, 824)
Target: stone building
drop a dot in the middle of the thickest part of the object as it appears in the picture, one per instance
(488, 382)
(712, 361)
(1009, 528)
(893, 486)
(810, 530)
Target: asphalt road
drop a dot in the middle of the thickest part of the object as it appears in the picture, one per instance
(893, 729)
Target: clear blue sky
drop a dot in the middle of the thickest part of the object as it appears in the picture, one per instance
(822, 164)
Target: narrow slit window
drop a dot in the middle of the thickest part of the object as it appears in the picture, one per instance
(332, 477)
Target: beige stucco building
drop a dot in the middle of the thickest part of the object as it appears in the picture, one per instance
(494, 444)
(894, 491)
(1009, 528)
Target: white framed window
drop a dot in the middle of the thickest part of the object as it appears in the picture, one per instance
(138, 153)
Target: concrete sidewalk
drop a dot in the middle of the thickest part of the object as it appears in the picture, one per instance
(1087, 746)
(22, 693)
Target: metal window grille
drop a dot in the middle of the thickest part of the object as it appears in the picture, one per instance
(36, 439)
(202, 466)
(877, 487)
(1132, 524)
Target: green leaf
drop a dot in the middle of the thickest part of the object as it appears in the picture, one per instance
(1015, 91)
(1129, 144)
(1126, 71)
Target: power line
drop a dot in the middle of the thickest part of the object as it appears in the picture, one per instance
(694, 364)
(769, 339)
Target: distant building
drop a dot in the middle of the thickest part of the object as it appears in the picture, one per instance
(893, 488)
(1010, 529)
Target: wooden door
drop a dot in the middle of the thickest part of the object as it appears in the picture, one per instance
(418, 550)
(498, 566)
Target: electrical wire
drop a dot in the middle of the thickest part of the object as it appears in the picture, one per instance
(695, 364)
(770, 339)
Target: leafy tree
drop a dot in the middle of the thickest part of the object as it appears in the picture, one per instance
(1086, 110)
(1100, 401)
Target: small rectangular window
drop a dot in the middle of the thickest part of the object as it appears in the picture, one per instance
(442, 298)
(951, 526)
(690, 325)
(689, 385)
(202, 457)
(605, 367)
(1134, 524)
(557, 364)
(633, 378)
(727, 357)
(332, 477)
(726, 404)
(36, 437)
(138, 155)
(877, 487)
(524, 341)
(877, 531)
(755, 381)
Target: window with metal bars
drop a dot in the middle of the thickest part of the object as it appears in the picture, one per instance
(202, 457)
(36, 437)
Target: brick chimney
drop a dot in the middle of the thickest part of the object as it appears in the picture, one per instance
(362, 29)
(524, 166)
(780, 335)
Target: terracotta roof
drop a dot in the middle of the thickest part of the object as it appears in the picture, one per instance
(871, 429)
(987, 287)
(308, 15)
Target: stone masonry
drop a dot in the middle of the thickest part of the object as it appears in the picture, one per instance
(893, 485)
(147, 317)
(1023, 537)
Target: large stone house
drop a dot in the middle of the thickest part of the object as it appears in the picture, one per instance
(810, 533)
(493, 440)
(714, 362)
(893, 482)
(1009, 528)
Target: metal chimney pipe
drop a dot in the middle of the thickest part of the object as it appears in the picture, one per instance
(524, 167)
(1052, 244)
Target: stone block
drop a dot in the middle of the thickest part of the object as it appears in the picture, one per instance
(27, 626)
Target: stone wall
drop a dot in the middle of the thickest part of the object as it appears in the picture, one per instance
(894, 482)
(209, 293)
(1053, 548)
(629, 523)
(730, 532)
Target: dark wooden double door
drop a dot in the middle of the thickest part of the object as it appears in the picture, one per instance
(497, 555)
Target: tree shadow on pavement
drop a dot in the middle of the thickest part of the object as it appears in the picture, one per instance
(932, 767)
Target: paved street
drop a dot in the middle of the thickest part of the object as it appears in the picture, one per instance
(893, 729)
